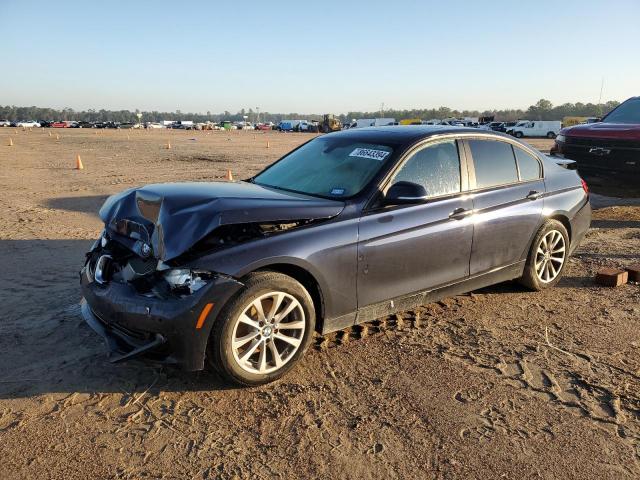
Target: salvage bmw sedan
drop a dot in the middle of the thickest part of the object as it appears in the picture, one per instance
(348, 227)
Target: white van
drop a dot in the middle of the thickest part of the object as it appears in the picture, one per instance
(538, 128)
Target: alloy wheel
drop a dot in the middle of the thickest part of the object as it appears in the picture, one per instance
(550, 256)
(268, 332)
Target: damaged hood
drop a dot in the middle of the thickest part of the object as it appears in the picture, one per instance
(172, 217)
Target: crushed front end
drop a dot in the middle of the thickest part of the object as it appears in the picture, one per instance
(141, 306)
(139, 294)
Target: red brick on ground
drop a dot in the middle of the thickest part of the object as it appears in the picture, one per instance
(611, 277)
(634, 273)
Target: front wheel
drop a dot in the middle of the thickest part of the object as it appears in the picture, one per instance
(262, 332)
(547, 257)
(518, 134)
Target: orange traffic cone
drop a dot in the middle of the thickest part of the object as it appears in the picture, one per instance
(10, 144)
(268, 146)
(79, 165)
(49, 133)
(229, 176)
(57, 137)
(168, 146)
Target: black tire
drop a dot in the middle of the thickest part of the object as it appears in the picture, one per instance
(220, 353)
(518, 134)
(530, 277)
(551, 135)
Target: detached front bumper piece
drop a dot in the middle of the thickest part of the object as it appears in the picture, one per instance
(120, 345)
(170, 331)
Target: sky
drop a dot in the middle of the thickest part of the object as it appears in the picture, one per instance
(316, 57)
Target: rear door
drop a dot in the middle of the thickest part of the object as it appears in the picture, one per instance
(507, 201)
(410, 248)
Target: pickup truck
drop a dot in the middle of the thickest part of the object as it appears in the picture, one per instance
(608, 150)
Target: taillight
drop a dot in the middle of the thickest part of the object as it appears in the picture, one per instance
(585, 187)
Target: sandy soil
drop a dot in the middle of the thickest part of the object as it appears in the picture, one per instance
(501, 383)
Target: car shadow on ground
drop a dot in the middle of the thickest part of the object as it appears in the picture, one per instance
(45, 345)
(615, 224)
(84, 204)
(514, 287)
(47, 349)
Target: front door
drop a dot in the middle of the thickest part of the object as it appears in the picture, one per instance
(412, 248)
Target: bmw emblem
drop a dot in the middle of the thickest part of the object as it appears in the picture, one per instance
(145, 250)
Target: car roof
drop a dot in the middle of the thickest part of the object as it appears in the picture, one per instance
(406, 133)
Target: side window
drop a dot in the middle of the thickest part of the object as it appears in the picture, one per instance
(528, 165)
(494, 163)
(436, 167)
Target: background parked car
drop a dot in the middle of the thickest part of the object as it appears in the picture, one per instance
(538, 128)
(495, 126)
(82, 124)
(28, 124)
(288, 125)
(511, 125)
(5, 123)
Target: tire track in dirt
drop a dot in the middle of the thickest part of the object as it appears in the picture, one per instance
(607, 395)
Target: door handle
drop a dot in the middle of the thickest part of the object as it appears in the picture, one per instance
(534, 195)
(460, 213)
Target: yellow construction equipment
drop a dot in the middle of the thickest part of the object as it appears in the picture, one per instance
(330, 123)
(411, 121)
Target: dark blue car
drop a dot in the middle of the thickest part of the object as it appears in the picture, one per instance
(349, 227)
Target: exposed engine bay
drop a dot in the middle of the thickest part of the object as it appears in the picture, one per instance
(128, 259)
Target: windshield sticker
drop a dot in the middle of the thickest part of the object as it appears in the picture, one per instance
(337, 191)
(369, 153)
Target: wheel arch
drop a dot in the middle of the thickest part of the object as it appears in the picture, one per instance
(307, 280)
(560, 217)
(564, 220)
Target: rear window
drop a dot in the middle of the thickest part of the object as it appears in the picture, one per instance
(494, 163)
(527, 164)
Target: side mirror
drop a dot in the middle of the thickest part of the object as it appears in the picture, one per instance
(401, 193)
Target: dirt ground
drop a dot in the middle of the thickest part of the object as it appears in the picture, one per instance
(500, 383)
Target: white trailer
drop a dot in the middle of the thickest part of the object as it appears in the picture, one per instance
(373, 122)
(538, 128)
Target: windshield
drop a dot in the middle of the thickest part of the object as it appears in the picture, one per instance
(627, 112)
(331, 167)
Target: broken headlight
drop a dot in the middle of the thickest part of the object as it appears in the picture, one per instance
(186, 281)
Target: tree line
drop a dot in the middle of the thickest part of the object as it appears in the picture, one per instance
(542, 110)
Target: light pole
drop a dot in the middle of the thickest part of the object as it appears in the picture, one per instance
(258, 114)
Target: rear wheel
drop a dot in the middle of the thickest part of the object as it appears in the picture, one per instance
(261, 333)
(547, 257)
(551, 135)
